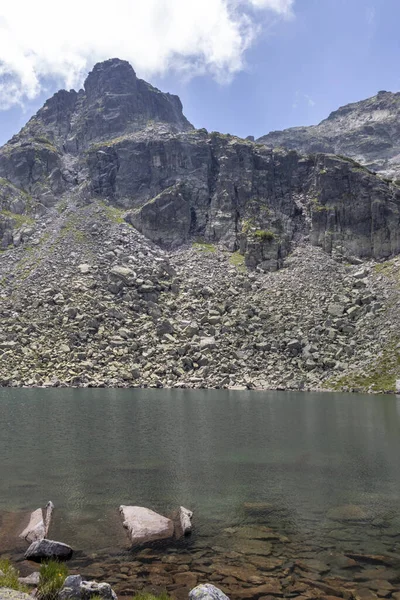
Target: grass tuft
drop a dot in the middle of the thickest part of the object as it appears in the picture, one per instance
(204, 247)
(146, 596)
(51, 580)
(9, 579)
(238, 261)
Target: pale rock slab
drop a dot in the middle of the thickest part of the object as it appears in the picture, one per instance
(39, 523)
(145, 525)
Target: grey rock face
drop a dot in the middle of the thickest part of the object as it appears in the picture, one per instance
(122, 140)
(368, 131)
(48, 549)
(206, 591)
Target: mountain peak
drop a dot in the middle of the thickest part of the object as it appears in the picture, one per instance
(114, 102)
(113, 76)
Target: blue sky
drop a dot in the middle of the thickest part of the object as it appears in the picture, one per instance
(291, 69)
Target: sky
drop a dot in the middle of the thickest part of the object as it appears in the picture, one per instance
(244, 67)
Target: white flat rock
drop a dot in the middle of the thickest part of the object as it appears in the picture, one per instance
(145, 525)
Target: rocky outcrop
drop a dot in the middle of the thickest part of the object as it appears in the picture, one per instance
(48, 550)
(39, 523)
(122, 140)
(145, 525)
(368, 131)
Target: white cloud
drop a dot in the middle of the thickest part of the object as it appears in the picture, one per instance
(282, 7)
(40, 40)
(300, 99)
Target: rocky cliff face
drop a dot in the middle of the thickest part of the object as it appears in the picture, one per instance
(102, 196)
(122, 140)
(367, 131)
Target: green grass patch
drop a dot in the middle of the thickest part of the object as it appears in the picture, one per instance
(238, 261)
(10, 577)
(113, 214)
(264, 235)
(51, 579)
(387, 268)
(19, 220)
(381, 376)
(145, 596)
(204, 247)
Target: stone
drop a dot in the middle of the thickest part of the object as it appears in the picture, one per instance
(48, 549)
(32, 579)
(120, 273)
(9, 594)
(145, 525)
(348, 512)
(272, 588)
(39, 524)
(75, 588)
(185, 520)
(84, 268)
(206, 591)
(336, 310)
(207, 342)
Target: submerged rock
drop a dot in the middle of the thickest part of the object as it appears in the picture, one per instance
(48, 549)
(39, 524)
(348, 512)
(145, 525)
(206, 591)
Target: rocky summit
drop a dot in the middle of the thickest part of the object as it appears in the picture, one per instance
(367, 131)
(137, 250)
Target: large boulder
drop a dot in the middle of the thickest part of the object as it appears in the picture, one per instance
(9, 594)
(48, 550)
(76, 588)
(206, 591)
(145, 525)
(39, 523)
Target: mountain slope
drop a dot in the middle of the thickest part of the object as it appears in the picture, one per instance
(367, 131)
(137, 250)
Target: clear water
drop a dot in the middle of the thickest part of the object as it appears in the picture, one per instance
(91, 450)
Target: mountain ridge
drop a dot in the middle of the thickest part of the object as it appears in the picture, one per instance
(367, 131)
(139, 251)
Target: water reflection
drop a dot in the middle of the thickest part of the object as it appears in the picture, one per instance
(91, 450)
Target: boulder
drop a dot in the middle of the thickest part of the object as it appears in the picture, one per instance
(32, 579)
(48, 549)
(206, 591)
(185, 520)
(9, 594)
(145, 525)
(39, 524)
(76, 588)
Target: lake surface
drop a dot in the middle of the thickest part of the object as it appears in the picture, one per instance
(251, 465)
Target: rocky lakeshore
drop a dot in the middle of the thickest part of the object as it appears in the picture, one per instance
(265, 556)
